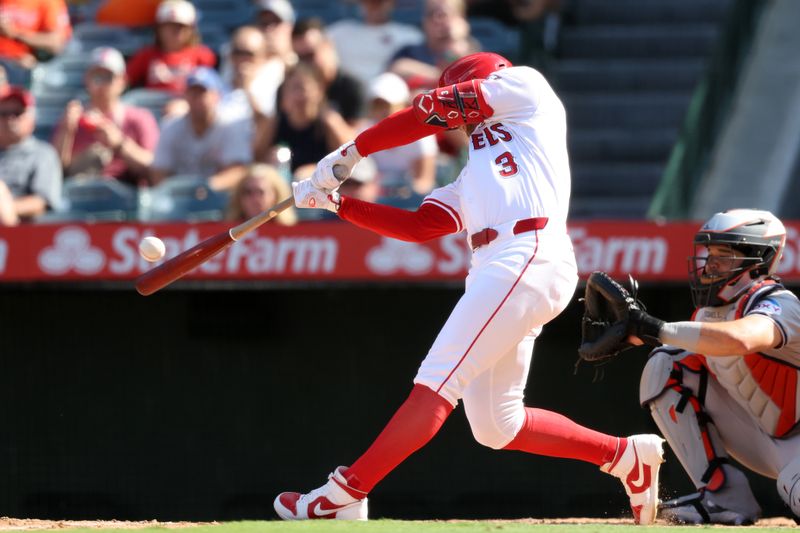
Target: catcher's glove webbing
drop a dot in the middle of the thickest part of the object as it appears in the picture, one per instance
(611, 315)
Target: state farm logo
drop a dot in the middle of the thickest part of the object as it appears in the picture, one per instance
(252, 255)
(612, 253)
(71, 250)
(394, 256)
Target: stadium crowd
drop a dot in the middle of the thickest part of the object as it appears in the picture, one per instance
(104, 101)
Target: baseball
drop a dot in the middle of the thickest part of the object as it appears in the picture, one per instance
(152, 248)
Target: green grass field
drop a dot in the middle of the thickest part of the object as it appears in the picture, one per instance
(400, 526)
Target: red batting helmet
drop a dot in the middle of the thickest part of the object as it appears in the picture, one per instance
(473, 66)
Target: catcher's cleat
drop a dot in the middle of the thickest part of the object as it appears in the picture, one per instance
(637, 468)
(335, 499)
(698, 508)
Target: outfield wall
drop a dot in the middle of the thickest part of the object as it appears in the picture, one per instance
(204, 405)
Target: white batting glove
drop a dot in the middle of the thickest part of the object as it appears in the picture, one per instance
(347, 156)
(306, 196)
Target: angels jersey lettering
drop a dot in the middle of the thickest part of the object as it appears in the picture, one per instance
(518, 166)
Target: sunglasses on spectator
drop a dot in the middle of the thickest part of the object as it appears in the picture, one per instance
(268, 20)
(253, 191)
(12, 113)
(242, 52)
(101, 77)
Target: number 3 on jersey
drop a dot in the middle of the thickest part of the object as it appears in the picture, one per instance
(508, 167)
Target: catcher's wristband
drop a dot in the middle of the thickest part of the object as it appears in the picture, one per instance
(684, 335)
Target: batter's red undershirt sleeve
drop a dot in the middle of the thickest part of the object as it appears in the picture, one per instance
(424, 224)
(395, 130)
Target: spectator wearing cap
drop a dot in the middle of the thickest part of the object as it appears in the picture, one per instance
(107, 138)
(276, 19)
(344, 92)
(253, 83)
(176, 52)
(447, 38)
(30, 173)
(304, 122)
(200, 143)
(28, 28)
(408, 170)
(365, 46)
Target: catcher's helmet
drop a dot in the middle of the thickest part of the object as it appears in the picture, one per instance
(473, 66)
(759, 235)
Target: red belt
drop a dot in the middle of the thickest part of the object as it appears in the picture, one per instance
(487, 235)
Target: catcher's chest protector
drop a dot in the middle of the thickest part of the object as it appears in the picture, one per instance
(766, 387)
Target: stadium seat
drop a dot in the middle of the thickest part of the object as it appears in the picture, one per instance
(324, 9)
(62, 74)
(88, 35)
(47, 118)
(151, 99)
(182, 198)
(495, 36)
(213, 35)
(228, 14)
(97, 198)
(408, 11)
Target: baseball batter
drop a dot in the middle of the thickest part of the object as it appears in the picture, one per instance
(512, 199)
(725, 383)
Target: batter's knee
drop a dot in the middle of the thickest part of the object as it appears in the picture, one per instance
(494, 426)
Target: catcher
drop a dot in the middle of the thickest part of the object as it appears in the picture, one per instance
(724, 384)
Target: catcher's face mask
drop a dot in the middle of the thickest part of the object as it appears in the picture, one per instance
(713, 268)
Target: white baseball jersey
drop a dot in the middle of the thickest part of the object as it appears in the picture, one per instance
(517, 169)
(764, 384)
(518, 166)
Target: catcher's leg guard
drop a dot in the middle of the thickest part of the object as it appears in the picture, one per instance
(674, 385)
(789, 486)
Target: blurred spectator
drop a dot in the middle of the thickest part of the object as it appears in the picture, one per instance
(259, 190)
(447, 38)
(304, 122)
(276, 19)
(345, 93)
(407, 169)
(253, 81)
(539, 22)
(365, 47)
(30, 173)
(127, 13)
(106, 138)
(28, 28)
(200, 143)
(176, 52)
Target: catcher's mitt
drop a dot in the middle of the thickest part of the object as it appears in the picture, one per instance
(607, 318)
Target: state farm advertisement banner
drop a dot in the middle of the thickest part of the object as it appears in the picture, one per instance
(334, 251)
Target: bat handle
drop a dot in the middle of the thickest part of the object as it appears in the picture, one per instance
(237, 232)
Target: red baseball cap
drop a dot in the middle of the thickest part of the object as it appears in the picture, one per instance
(20, 93)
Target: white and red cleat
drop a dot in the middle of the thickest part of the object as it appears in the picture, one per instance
(335, 499)
(637, 468)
